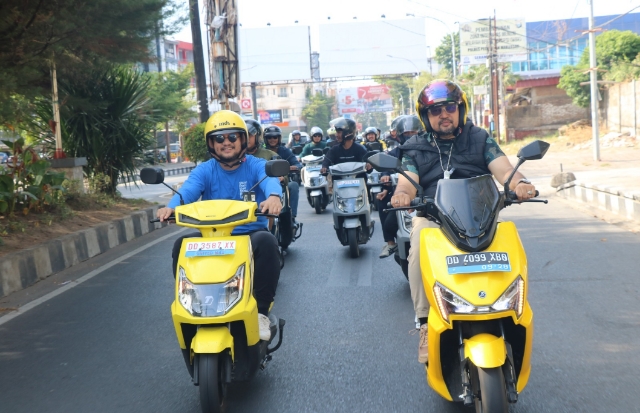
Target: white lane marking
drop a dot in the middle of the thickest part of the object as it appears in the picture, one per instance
(70, 285)
(340, 271)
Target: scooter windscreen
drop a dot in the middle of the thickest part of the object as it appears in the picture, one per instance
(469, 205)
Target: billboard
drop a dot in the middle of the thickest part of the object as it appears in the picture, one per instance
(511, 40)
(268, 117)
(364, 99)
(386, 47)
(274, 53)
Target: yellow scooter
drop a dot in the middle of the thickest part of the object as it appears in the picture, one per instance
(214, 312)
(474, 270)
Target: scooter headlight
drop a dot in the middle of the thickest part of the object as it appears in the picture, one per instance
(317, 180)
(210, 300)
(512, 298)
(407, 220)
(451, 303)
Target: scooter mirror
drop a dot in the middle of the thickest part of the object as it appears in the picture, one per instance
(534, 150)
(373, 146)
(277, 168)
(385, 163)
(369, 155)
(152, 176)
(317, 152)
(297, 150)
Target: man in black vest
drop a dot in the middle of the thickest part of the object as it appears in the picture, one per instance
(452, 147)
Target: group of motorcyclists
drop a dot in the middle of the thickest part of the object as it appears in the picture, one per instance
(439, 142)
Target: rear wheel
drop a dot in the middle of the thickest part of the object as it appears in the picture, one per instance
(493, 392)
(317, 204)
(285, 232)
(352, 237)
(213, 387)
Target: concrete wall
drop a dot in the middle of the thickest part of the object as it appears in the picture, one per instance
(550, 109)
(619, 108)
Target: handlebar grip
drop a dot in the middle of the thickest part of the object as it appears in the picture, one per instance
(171, 217)
(537, 194)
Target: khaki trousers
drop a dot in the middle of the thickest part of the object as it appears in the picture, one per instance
(420, 302)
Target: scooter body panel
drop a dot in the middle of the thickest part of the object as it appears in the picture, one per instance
(485, 350)
(315, 192)
(351, 223)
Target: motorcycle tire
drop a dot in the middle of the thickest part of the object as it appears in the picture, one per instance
(213, 387)
(317, 204)
(493, 392)
(352, 237)
(285, 232)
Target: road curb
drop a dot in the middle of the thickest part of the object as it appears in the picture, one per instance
(22, 269)
(622, 203)
(167, 172)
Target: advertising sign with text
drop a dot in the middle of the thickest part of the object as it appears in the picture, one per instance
(510, 40)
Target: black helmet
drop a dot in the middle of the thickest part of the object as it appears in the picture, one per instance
(440, 91)
(316, 131)
(369, 130)
(394, 123)
(254, 128)
(272, 130)
(409, 123)
(348, 127)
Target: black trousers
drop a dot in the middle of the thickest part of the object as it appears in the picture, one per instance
(266, 266)
(387, 219)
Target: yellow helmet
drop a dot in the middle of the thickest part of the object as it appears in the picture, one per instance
(222, 122)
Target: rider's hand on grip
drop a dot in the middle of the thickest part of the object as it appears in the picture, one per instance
(400, 199)
(165, 214)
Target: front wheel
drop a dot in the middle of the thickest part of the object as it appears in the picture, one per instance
(213, 387)
(317, 204)
(493, 392)
(352, 237)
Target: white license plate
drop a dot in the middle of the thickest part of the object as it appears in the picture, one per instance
(209, 248)
(345, 184)
(478, 262)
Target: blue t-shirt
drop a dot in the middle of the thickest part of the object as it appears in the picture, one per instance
(209, 181)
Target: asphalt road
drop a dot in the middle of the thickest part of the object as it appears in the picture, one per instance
(108, 345)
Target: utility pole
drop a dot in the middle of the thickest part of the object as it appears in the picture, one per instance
(494, 77)
(59, 154)
(254, 101)
(198, 61)
(593, 69)
(453, 56)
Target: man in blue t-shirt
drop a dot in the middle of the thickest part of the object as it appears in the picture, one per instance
(226, 176)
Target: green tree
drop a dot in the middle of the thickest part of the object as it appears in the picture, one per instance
(195, 146)
(78, 35)
(318, 112)
(443, 51)
(375, 119)
(615, 51)
(107, 120)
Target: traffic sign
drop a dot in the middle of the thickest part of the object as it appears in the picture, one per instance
(245, 103)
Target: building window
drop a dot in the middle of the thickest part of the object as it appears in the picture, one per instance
(285, 113)
(292, 91)
(283, 92)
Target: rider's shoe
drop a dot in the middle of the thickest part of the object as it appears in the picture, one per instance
(387, 250)
(423, 347)
(264, 325)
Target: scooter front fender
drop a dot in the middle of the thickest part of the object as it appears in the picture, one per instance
(212, 340)
(351, 223)
(485, 350)
(315, 192)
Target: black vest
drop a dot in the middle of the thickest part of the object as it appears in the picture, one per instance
(467, 157)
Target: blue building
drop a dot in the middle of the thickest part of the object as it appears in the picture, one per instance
(553, 44)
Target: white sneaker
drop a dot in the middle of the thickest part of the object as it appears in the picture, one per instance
(387, 250)
(264, 325)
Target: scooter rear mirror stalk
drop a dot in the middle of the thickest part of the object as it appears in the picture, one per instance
(155, 176)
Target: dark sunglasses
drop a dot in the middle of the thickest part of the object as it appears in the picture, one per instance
(273, 137)
(232, 137)
(437, 110)
(317, 136)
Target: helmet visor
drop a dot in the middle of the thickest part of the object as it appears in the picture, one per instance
(439, 92)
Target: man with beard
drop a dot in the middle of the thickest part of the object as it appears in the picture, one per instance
(226, 176)
(451, 148)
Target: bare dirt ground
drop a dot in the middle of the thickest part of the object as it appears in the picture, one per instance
(27, 231)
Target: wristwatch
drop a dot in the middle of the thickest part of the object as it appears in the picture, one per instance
(524, 181)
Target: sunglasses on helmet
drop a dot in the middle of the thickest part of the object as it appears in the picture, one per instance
(437, 110)
(231, 137)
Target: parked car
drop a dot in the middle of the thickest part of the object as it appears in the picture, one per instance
(176, 152)
(4, 157)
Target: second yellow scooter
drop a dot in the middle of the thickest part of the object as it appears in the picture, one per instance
(475, 275)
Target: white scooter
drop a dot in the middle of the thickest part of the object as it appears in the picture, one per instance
(315, 184)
